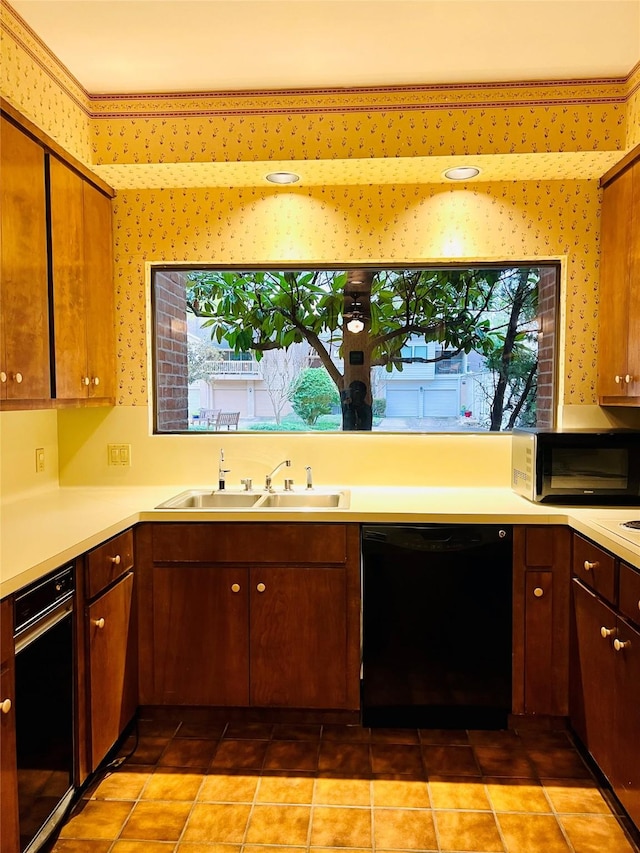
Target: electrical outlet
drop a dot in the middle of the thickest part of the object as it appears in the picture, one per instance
(39, 460)
(119, 454)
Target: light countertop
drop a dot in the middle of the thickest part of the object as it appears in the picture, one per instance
(40, 532)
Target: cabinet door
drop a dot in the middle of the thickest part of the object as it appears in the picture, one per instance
(633, 342)
(626, 730)
(541, 592)
(67, 259)
(298, 632)
(99, 294)
(8, 767)
(592, 676)
(200, 635)
(112, 672)
(619, 304)
(24, 307)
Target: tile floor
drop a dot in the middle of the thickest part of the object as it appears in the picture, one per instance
(255, 787)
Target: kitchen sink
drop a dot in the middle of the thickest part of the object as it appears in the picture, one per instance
(206, 499)
(316, 500)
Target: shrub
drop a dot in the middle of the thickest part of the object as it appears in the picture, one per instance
(379, 407)
(312, 393)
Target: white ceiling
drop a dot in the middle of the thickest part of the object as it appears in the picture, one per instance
(137, 46)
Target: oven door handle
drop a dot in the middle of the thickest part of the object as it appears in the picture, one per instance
(43, 625)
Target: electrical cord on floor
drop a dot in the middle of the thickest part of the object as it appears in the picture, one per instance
(120, 760)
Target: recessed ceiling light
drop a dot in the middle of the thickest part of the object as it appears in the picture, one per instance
(462, 173)
(283, 177)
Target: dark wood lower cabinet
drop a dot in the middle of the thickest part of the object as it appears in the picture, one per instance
(112, 655)
(263, 615)
(200, 636)
(298, 632)
(9, 831)
(605, 693)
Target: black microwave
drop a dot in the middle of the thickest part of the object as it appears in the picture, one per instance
(581, 466)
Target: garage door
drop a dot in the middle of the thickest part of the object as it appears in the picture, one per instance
(441, 403)
(402, 403)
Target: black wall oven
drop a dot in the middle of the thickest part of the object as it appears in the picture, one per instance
(43, 634)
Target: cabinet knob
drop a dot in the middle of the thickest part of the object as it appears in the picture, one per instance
(116, 560)
(99, 623)
(235, 587)
(618, 379)
(18, 378)
(85, 380)
(3, 376)
(261, 587)
(628, 378)
(590, 565)
(619, 645)
(96, 380)
(606, 632)
(5, 706)
(538, 592)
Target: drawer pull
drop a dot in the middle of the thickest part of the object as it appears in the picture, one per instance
(116, 560)
(606, 632)
(538, 592)
(99, 623)
(5, 706)
(235, 587)
(261, 587)
(619, 645)
(589, 565)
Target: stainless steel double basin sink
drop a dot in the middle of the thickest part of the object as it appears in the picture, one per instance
(206, 499)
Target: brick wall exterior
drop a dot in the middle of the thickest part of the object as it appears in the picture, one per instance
(171, 352)
(547, 344)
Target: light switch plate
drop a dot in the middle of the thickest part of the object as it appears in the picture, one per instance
(119, 454)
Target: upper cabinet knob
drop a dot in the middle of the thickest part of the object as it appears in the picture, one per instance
(3, 376)
(618, 379)
(85, 380)
(96, 380)
(628, 378)
(18, 378)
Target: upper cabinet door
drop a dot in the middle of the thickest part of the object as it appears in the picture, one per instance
(24, 309)
(67, 266)
(99, 293)
(82, 281)
(619, 310)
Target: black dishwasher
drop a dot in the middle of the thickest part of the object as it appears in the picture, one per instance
(437, 625)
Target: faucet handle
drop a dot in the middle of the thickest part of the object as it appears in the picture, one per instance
(288, 483)
(247, 482)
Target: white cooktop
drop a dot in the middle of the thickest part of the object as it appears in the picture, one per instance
(617, 526)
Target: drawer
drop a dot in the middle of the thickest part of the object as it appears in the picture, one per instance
(595, 568)
(630, 592)
(249, 543)
(107, 562)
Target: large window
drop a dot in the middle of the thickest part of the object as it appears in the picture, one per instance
(398, 349)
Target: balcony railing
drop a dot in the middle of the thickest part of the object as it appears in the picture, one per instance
(236, 368)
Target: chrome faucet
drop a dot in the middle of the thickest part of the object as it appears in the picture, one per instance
(309, 477)
(222, 471)
(269, 477)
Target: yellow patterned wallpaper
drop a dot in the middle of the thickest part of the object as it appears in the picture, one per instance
(385, 224)
(185, 169)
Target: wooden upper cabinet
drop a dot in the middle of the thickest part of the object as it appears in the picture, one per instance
(24, 309)
(82, 281)
(619, 310)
